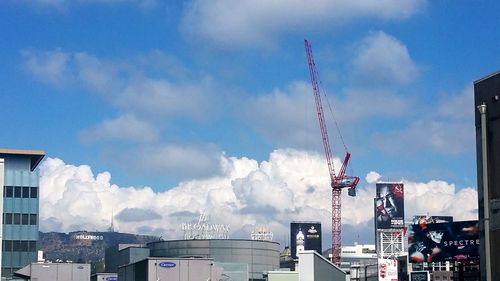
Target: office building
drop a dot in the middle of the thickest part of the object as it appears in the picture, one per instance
(487, 109)
(19, 180)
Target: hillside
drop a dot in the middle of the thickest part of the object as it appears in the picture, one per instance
(83, 246)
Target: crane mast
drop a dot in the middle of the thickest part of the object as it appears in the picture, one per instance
(340, 180)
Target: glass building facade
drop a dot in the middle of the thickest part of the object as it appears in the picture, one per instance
(19, 182)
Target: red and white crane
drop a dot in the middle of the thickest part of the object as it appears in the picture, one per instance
(340, 180)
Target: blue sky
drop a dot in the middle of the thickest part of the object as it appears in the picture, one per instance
(156, 92)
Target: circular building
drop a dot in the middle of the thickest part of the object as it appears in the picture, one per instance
(260, 255)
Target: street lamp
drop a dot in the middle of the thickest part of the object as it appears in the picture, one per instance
(486, 202)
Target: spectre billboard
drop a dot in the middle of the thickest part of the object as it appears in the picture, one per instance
(421, 219)
(449, 241)
(305, 236)
(389, 206)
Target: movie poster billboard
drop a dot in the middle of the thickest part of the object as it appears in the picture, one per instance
(305, 236)
(421, 219)
(449, 241)
(387, 270)
(389, 206)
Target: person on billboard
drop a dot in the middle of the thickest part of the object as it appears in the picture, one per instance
(389, 205)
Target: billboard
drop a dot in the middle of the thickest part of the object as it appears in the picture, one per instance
(387, 270)
(305, 236)
(420, 276)
(449, 241)
(389, 206)
(421, 219)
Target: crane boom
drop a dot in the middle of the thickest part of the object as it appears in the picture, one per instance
(338, 181)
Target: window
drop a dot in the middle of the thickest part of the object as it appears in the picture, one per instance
(24, 219)
(9, 191)
(23, 246)
(32, 246)
(17, 218)
(8, 218)
(16, 245)
(32, 219)
(7, 245)
(17, 191)
(34, 192)
(26, 192)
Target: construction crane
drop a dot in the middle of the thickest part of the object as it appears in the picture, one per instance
(340, 180)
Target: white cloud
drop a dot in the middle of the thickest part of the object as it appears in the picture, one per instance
(372, 177)
(291, 185)
(63, 4)
(51, 66)
(446, 127)
(251, 23)
(180, 160)
(287, 117)
(126, 127)
(382, 58)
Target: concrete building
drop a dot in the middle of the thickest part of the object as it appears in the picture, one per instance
(123, 254)
(154, 269)
(359, 260)
(311, 267)
(104, 277)
(261, 256)
(55, 272)
(19, 180)
(487, 93)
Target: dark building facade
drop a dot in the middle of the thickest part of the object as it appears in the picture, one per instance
(487, 92)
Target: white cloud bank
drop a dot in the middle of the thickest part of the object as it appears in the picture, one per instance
(250, 23)
(291, 185)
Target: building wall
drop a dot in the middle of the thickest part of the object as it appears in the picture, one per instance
(123, 254)
(153, 269)
(260, 256)
(314, 267)
(20, 213)
(104, 277)
(282, 276)
(56, 272)
(487, 90)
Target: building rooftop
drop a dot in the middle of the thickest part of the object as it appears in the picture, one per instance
(35, 155)
(487, 77)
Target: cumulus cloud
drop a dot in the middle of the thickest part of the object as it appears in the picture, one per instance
(246, 193)
(383, 58)
(227, 23)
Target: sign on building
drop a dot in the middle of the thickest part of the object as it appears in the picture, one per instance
(305, 236)
(436, 242)
(387, 270)
(203, 229)
(389, 206)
